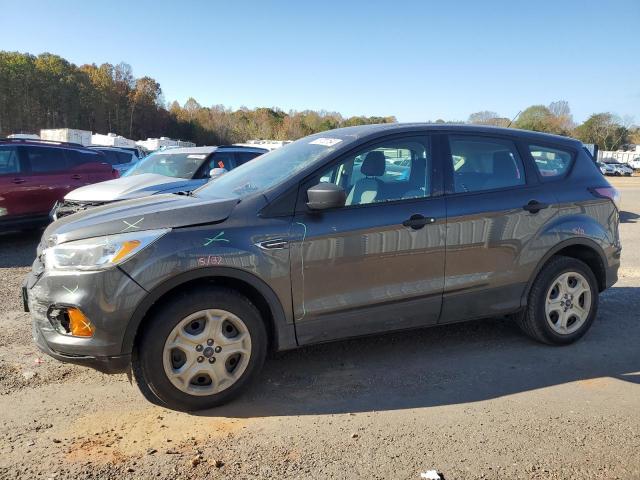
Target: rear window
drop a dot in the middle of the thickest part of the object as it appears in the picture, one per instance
(551, 162)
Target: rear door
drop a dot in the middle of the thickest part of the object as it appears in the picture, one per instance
(88, 166)
(15, 184)
(495, 205)
(377, 263)
(50, 177)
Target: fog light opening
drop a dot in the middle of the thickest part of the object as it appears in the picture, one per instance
(71, 321)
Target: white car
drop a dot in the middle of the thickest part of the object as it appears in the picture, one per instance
(606, 169)
(619, 169)
(635, 163)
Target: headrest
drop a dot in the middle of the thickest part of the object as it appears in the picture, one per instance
(373, 164)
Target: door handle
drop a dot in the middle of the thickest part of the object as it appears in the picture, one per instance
(535, 206)
(277, 244)
(75, 176)
(18, 180)
(418, 221)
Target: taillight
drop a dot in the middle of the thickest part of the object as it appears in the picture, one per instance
(607, 192)
(115, 173)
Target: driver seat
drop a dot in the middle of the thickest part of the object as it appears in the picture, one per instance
(367, 190)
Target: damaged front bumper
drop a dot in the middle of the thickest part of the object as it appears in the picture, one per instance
(107, 297)
(69, 207)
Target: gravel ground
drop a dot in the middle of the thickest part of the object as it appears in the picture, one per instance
(474, 401)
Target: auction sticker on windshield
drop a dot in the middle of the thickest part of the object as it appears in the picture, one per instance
(325, 141)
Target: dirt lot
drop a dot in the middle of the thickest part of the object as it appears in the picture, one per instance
(473, 401)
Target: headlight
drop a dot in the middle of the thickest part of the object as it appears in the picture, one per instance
(99, 252)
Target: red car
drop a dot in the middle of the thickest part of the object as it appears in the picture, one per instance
(35, 174)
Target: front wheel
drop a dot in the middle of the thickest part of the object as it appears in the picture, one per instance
(200, 349)
(563, 302)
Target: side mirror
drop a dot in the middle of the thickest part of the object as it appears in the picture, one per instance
(326, 195)
(216, 172)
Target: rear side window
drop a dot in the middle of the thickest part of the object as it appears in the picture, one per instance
(79, 157)
(9, 161)
(551, 162)
(46, 159)
(481, 163)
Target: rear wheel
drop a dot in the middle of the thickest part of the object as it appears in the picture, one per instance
(201, 349)
(563, 302)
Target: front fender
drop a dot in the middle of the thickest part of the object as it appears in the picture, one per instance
(284, 331)
(226, 250)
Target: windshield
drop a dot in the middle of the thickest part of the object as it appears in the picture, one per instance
(178, 165)
(270, 169)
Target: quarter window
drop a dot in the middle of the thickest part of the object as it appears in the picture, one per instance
(393, 170)
(550, 162)
(481, 163)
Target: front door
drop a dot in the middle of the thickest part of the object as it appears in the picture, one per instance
(377, 263)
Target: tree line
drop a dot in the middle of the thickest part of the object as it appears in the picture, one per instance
(605, 129)
(47, 91)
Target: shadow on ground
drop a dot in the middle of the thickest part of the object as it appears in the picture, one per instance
(442, 366)
(18, 249)
(629, 217)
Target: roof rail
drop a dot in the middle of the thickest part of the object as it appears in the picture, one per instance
(39, 140)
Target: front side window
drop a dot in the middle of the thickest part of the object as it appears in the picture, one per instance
(9, 161)
(481, 163)
(46, 159)
(224, 160)
(550, 162)
(393, 170)
(244, 157)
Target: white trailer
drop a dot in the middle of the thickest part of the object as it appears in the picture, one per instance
(111, 140)
(71, 135)
(153, 144)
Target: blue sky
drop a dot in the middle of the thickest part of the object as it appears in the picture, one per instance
(418, 60)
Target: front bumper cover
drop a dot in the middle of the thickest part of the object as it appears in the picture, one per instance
(107, 297)
(107, 364)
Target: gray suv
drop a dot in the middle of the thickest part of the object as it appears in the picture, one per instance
(344, 233)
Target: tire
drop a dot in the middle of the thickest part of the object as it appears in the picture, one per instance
(546, 326)
(175, 367)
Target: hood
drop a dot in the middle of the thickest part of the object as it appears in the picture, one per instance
(148, 213)
(130, 187)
